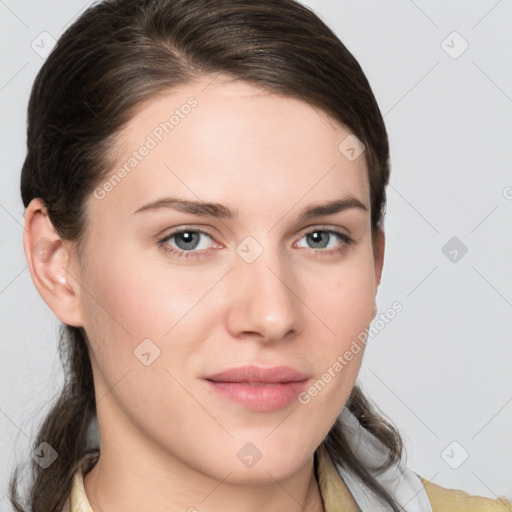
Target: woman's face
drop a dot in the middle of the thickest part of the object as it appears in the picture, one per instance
(267, 285)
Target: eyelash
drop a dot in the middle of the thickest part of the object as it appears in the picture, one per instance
(196, 254)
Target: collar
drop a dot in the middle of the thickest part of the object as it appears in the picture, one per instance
(335, 494)
(77, 501)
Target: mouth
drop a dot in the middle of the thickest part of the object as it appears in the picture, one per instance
(257, 388)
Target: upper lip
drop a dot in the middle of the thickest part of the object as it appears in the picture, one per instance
(259, 374)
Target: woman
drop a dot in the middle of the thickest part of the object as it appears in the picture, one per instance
(204, 191)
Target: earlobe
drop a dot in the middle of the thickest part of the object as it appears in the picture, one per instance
(48, 262)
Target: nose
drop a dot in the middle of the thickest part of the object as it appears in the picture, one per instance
(264, 301)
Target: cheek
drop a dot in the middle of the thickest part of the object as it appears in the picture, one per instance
(129, 303)
(139, 299)
(343, 301)
(131, 299)
(345, 306)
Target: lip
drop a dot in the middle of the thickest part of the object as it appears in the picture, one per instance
(259, 388)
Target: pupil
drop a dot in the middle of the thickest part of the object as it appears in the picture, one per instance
(187, 240)
(317, 237)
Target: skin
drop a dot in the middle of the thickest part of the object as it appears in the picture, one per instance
(168, 442)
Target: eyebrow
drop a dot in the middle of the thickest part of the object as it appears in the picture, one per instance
(220, 211)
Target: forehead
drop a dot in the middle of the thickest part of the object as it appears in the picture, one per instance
(234, 143)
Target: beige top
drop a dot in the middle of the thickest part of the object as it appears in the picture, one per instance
(335, 494)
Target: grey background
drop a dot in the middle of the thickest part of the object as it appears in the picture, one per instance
(441, 370)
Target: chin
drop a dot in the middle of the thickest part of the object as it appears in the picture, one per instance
(271, 459)
(265, 472)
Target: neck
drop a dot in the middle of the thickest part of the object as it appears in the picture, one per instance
(118, 484)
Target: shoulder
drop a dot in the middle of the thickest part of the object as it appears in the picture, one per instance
(452, 500)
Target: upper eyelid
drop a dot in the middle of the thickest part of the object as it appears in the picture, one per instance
(323, 227)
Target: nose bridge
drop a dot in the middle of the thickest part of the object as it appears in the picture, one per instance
(264, 299)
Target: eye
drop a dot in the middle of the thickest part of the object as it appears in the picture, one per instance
(188, 242)
(329, 239)
(185, 242)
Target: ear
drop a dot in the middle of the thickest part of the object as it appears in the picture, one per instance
(48, 263)
(378, 257)
(378, 253)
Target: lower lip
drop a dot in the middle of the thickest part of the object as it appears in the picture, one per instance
(260, 398)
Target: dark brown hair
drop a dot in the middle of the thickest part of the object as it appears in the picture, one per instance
(120, 53)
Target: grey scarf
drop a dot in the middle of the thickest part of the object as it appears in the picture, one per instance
(400, 482)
